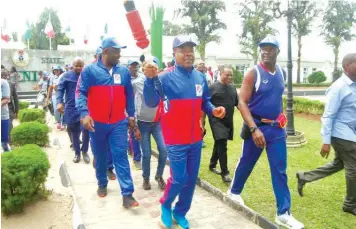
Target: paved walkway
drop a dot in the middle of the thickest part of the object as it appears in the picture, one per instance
(207, 212)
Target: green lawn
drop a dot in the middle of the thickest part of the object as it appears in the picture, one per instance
(321, 206)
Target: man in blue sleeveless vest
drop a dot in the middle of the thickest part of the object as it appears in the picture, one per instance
(186, 94)
(260, 105)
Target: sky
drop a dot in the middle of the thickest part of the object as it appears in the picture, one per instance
(89, 17)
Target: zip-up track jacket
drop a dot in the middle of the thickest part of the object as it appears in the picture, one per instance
(104, 96)
(185, 94)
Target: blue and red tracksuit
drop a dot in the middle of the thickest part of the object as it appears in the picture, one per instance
(66, 88)
(184, 94)
(105, 97)
(266, 102)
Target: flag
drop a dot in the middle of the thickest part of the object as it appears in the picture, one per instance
(105, 32)
(86, 36)
(49, 28)
(27, 35)
(4, 33)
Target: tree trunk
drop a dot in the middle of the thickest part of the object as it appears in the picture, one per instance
(255, 55)
(336, 60)
(201, 50)
(299, 58)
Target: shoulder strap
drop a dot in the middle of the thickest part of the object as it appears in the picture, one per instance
(258, 79)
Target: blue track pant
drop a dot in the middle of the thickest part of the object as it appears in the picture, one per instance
(113, 137)
(277, 157)
(184, 164)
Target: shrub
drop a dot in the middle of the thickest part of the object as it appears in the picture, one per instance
(23, 174)
(236, 76)
(30, 133)
(23, 105)
(34, 114)
(317, 77)
(302, 105)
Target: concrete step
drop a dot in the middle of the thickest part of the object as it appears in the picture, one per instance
(33, 92)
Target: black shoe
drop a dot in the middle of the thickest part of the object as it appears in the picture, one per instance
(76, 158)
(102, 191)
(226, 178)
(146, 184)
(94, 163)
(111, 175)
(351, 211)
(301, 184)
(86, 158)
(161, 182)
(71, 146)
(214, 170)
(129, 202)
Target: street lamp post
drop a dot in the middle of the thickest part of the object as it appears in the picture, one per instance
(289, 13)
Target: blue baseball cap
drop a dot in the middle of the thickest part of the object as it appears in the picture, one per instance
(132, 62)
(44, 73)
(98, 51)
(183, 40)
(269, 41)
(57, 68)
(111, 42)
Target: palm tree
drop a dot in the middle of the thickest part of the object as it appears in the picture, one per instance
(301, 27)
(204, 21)
(338, 20)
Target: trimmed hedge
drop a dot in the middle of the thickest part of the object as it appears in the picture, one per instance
(306, 106)
(33, 114)
(317, 77)
(23, 105)
(296, 85)
(30, 133)
(23, 174)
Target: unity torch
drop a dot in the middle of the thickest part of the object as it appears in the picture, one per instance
(135, 22)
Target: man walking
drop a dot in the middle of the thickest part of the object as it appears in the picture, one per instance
(105, 94)
(339, 131)
(71, 117)
(185, 93)
(260, 104)
(148, 121)
(5, 99)
(223, 93)
(133, 142)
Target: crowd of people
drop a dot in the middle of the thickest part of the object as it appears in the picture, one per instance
(115, 108)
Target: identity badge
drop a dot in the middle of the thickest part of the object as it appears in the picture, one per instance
(198, 90)
(117, 79)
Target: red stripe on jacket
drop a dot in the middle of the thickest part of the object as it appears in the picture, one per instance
(107, 103)
(180, 125)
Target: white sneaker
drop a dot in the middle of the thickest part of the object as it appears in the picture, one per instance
(288, 221)
(235, 197)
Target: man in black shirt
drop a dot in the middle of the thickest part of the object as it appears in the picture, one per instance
(223, 93)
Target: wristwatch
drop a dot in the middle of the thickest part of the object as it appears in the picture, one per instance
(253, 129)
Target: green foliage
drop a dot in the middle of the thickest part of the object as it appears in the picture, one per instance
(204, 22)
(338, 21)
(23, 105)
(306, 106)
(39, 39)
(23, 174)
(317, 77)
(170, 29)
(257, 17)
(33, 114)
(236, 76)
(30, 133)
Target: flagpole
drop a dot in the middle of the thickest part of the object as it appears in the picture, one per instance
(28, 43)
(50, 43)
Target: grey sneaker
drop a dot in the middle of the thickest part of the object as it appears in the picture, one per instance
(86, 158)
(146, 184)
(161, 182)
(138, 165)
(129, 202)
